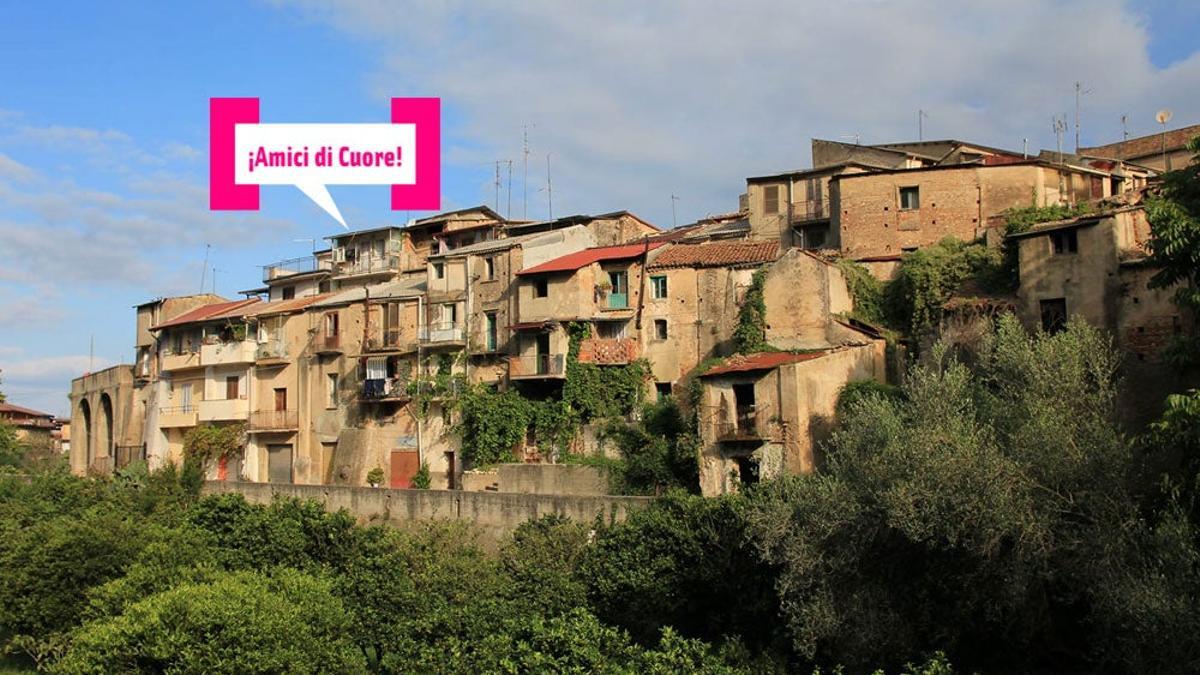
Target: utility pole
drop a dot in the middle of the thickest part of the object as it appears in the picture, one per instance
(921, 115)
(673, 200)
(1079, 91)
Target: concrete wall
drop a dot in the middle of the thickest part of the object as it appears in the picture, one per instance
(801, 292)
(495, 514)
(552, 479)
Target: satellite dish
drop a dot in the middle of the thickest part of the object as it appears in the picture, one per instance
(1163, 116)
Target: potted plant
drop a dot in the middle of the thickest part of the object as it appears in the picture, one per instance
(375, 476)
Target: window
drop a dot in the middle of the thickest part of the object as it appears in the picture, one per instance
(177, 342)
(331, 390)
(541, 287)
(910, 198)
(663, 390)
(323, 286)
(1054, 314)
(231, 386)
(658, 287)
(611, 330)
(771, 199)
(660, 329)
(491, 331)
(439, 270)
(281, 399)
(331, 324)
(489, 268)
(1065, 242)
(289, 292)
(813, 236)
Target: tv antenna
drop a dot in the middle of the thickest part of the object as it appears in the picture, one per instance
(525, 166)
(497, 183)
(309, 240)
(673, 200)
(1162, 117)
(204, 267)
(1079, 91)
(508, 211)
(921, 116)
(549, 189)
(854, 136)
(1059, 124)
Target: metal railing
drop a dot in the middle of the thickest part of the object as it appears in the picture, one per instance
(286, 268)
(744, 426)
(266, 420)
(537, 365)
(394, 388)
(172, 409)
(329, 343)
(442, 332)
(270, 350)
(391, 339)
(810, 210)
(369, 265)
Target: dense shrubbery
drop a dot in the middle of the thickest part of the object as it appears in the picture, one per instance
(991, 512)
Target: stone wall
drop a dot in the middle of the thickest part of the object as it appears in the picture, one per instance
(553, 479)
(495, 514)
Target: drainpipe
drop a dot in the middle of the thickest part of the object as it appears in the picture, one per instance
(637, 323)
(787, 228)
(420, 322)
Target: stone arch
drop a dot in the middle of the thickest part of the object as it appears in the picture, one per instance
(84, 439)
(104, 434)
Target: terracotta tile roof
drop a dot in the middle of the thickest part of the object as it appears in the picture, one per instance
(761, 361)
(718, 254)
(205, 313)
(280, 306)
(574, 261)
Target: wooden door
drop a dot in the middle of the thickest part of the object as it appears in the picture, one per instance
(231, 387)
(281, 399)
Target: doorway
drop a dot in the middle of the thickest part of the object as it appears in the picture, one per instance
(450, 483)
(279, 463)
(543, 353)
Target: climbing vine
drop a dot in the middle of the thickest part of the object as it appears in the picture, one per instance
(594, 392)
(865, 290)
(751, 333)
(208, 442)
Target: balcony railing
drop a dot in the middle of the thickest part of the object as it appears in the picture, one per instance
(171, 417)
(744, 427)
(369, 265)
(608, 351)
(227, 353)
(390, 389)
(223, 409)
(442, 332)
(810, 210)
(286, 268)
(536, 365)
(329, 344)
(390, 340)
(176, 360)
(273, 420)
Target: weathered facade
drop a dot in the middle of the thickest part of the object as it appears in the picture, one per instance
(1162, 151)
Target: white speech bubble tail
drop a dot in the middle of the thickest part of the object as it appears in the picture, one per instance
(321, 197)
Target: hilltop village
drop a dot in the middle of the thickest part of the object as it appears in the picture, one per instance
(468, 351)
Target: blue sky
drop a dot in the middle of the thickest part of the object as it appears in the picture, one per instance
(103, 120)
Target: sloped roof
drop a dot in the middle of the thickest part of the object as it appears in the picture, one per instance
(205, 313)
(717, 254)
(279, 306)
(1145, 146)
(574, 261)
(12, 409)
(761, 361)
(489, 246)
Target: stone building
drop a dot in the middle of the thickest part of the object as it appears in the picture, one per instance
(106, 419)
(882, 214)
(1161, 151)
(1095, 267)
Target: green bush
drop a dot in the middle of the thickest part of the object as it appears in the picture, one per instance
(241, 622)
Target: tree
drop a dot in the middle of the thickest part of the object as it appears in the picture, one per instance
(1174, 216)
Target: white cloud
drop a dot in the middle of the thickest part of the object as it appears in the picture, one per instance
(14, 170)
(640, 100)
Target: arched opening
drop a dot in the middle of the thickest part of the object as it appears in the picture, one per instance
(85, 433)
(105, 434)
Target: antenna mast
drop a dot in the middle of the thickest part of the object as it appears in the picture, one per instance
(204, 267)
(525, 179)
(508, 213)
(1079, 91)
(1060, 125)
(921, 116)
(673, 200)
(549, 189)
(497, 186)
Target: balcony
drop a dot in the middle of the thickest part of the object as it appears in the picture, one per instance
(391, 389)
(810, 210)
(608, 351)
(176, 417)
(745, 427)
(183, 360)
(443, 332)
(551, 366)
(227, 353)
(223, 409)
(273, 420)
(386, 264)
(270, 353)
(391, 341)
(287, 268)
(328, 344)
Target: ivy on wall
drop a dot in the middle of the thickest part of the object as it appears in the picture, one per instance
(750, 336)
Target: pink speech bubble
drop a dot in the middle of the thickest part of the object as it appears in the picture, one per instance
(226, 194)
